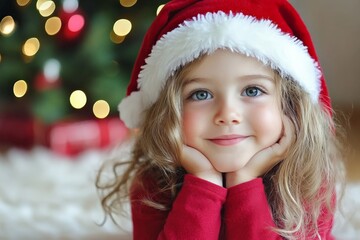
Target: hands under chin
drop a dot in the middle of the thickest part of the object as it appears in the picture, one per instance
(197, 164)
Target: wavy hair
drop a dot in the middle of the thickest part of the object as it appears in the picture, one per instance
(298, 188)
(304, 183)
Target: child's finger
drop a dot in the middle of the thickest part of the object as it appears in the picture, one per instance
(269, 157)
(280, 149)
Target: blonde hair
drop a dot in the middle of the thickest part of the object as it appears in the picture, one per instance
(297, 189)
(304, 183)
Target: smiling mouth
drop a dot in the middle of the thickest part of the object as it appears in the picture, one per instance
(227, 140)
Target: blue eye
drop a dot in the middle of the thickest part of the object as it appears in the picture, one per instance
(252, 92)
(200, 95)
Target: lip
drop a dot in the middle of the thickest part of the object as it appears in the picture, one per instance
(227, 140)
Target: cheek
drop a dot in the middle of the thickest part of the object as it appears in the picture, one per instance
(191, 120)
(268, 124)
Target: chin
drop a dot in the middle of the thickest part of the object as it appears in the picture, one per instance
(232, 166)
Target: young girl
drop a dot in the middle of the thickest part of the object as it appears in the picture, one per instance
(234, 133)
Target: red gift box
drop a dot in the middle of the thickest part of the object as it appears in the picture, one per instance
(66, 137)
(73, 137)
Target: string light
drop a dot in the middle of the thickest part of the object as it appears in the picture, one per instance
(127, 3)
(47, 8)
(115, 38)
(31, 47)
(101, 109)
(122, 27)
(53, 25)
(39, 3)
(7, 25)
(22, 3)
(78, 99)
(20, 88)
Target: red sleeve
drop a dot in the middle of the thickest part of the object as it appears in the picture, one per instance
(326, 222)
(247, 214)
(196, 212)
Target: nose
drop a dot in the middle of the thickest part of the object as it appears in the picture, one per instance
(228, 114)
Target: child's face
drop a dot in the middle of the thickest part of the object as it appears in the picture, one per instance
(231, 109)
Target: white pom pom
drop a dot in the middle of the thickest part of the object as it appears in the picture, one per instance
(131, 110)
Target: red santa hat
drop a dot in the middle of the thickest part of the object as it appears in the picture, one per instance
(268, 30)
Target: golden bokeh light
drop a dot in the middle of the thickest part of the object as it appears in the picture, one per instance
(115, 38)
(78, 99)
(39, 3)
(122, 27)
(22, 3)
(31, 47)
(47, 8)
(159, 9)
(20, 88)
(127, 3)
(53, 25)
(7, 25)
(101, 109)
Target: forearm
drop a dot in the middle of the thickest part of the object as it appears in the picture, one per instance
(196, 212)
(247, 213)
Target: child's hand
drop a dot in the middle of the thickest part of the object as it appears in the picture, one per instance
(198, 165)
(264, 160)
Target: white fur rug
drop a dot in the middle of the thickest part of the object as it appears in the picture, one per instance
(46, 196)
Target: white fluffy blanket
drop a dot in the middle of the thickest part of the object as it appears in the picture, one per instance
(46, 196)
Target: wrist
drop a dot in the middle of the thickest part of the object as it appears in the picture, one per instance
(235, 178)
(213, 177)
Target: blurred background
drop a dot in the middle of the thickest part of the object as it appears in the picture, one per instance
(64, 67)
(335, 29)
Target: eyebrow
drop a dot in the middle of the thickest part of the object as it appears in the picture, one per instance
(244, 77)
(257, 76)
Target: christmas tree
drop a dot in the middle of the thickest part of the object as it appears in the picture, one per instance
(68, 59)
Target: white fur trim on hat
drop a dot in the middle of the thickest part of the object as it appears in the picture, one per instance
(206, 33)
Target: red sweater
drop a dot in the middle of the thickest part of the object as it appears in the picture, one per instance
(203, 210)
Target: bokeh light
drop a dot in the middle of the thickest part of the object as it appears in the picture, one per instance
(101, 109)
(76, 23)
(22, 3)
(53, 25)
(7, 25)
(78, 99)
(52, 69)
(31, 47)
(47, 8)
(70, 6)
(122, 27)
(39, 3)
(115, 38)
(127, 3)
(20, 88)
